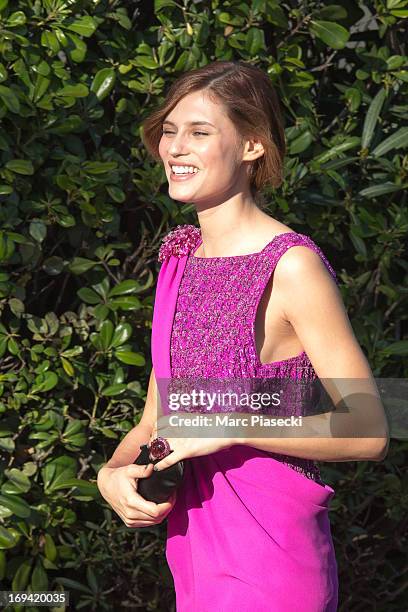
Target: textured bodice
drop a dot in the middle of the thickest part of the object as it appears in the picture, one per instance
(213, 332)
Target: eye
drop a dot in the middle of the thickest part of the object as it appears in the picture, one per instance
(201, 133)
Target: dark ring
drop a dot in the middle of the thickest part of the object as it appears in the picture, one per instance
(159, 448)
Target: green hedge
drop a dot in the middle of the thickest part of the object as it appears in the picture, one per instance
(82, 213)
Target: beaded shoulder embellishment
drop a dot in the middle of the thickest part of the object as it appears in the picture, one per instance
(179, 241)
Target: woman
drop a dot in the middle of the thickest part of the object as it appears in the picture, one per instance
(243, 296)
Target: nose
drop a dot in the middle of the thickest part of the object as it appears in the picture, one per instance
(177, 144)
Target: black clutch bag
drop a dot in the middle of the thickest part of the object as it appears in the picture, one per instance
(158, 487)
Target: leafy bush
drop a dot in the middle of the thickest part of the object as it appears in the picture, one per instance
(82, 213)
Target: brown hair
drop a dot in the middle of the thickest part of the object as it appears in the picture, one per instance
(250, 102)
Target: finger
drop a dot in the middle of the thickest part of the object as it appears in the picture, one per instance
(134, 513)
(148, 507)
(171, 459)
(139, 471)
(166, 507)
(142, 524)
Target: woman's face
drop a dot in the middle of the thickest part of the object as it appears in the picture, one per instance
(212, 145)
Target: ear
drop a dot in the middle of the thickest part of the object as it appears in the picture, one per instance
(252, 150)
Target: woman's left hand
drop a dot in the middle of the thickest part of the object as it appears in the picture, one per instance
(184, 447)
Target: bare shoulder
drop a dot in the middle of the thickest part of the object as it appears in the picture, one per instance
(301, 260)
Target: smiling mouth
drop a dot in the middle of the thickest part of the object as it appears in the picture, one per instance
(184, 173)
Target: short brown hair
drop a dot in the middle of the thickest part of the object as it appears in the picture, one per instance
(251, 103)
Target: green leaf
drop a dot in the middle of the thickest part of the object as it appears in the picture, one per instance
(77, 440)
(113, 390)
(74, 91)
(49, 39)
(20, 166)
(401, 13)
(396, 348)
(38, 230)
(74, 585)
(88, 295)
(378, 190)
(397, 140)
(101, 311)
(95, 167)
(103, 82)
(53, 265)
(18, 506)
(79, 52)
(106, 333)
(229, 19)
(108, 433)
(10, 99)
(371, 118)
(84, 486)
(123, 288)
(102, 288)
(2, 565)
(7, 444)
(333, 34)
(351, 143)
(333, 12)
(72, 428)
(3, 72)
(16, 19)
(74, 123)
(117, 194)
(85, 26)
(57, 471)
(21, 576)
(68, 367)
(145, 61)
(130, 358)
(5, 512)
(39, 578)
(41, 86)
(301, 143)
(19, 479)
(161, 4)
(49, 548)
(45, 382)
(255, 41)
(8, 538)
(126, 303)
(358, 243)
(79, 265)
(122, 333)
(393, 3)
(73, 352)
(5, 189)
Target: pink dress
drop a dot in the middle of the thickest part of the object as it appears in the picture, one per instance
(250, 529)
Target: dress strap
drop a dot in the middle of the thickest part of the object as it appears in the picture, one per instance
(282, 242)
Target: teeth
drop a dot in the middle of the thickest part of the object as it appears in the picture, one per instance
(184, 170)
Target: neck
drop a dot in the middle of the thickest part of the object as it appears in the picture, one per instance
(230, 226)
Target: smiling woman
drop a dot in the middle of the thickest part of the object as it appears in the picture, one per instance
(257, 115)
(245, 298)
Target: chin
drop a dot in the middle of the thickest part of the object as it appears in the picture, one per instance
(178, 196)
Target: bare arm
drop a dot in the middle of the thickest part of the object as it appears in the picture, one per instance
(313, 305)
(129, 448)
(117, 479)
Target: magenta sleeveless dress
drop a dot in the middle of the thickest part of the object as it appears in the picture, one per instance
(250, 529)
